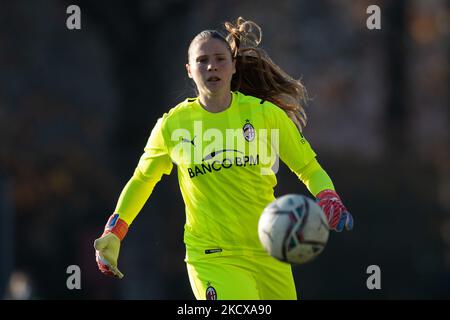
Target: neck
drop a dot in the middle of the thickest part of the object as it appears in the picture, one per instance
(215, 103)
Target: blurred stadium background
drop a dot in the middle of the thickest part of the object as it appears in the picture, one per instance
(76, 108)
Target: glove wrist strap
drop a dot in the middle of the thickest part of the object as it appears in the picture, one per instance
(117, 226)
(326, 193)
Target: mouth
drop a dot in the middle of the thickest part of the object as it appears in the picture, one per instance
(213, 79)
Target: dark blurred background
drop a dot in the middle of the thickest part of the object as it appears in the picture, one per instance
(77, 106)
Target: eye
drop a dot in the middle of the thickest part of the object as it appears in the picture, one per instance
(202, 60)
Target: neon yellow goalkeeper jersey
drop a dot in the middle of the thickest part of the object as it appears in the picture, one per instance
(226, 165)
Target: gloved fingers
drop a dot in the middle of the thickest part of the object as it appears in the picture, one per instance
(349, 222)
(342, 221)
(116, 272)
(100, 244)
(333, 217)
(105, 270)
(106, 267)
(100, 259)
(345, 220)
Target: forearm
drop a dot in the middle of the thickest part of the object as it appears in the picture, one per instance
(315, 177)
(134, 195)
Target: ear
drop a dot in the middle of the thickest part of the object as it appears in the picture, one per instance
(188, 69)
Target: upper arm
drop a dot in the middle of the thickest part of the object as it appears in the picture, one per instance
(294, 150)
(156, 156)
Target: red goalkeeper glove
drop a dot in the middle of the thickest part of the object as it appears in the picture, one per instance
(107, 247)
(337, 215)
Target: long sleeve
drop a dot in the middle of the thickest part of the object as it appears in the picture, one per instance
(291, 145)
(315, 177)
(154, 162)
(296, 152)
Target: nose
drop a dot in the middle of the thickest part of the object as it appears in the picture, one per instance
(212, 67)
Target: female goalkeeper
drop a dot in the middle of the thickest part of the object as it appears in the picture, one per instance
(246, 105)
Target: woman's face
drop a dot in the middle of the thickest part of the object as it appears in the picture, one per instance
(211, 66)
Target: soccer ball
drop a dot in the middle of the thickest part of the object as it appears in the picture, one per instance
(293, 229)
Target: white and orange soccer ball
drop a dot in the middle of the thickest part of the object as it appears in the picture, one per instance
(293, 229)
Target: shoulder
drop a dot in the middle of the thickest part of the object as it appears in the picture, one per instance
(255, 102)
(247, 100)
(268, 109)
(270, 113)
(272, 110)
(173, 116)
(182, 107)
(178, 111)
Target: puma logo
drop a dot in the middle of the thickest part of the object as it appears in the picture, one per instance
(187, 140)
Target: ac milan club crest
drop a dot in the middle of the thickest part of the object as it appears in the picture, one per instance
(249, 131)
(211, 293)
